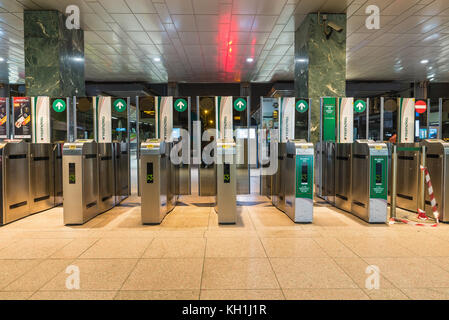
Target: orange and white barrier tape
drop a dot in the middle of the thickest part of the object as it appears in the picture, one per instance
(421, 213)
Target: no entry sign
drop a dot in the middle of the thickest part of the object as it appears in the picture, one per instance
(420, 106)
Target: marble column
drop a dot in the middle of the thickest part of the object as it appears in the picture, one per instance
(320, 62)
(54, 55)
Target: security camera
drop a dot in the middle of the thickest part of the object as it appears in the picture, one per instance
(334, 26)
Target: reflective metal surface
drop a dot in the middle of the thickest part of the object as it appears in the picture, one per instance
(437, 162)
(80, 181)
(408, 176)
(121, 171)
(278, 185)
(328, 171)
(372, 210)
(14, 180)
(155, 181)
(298, 208)
(41, 176)
(57, 165)
(343, 177)
(226, 198)
(106, 186)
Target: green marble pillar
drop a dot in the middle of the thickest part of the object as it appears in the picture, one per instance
(54, 55)
(320, 63)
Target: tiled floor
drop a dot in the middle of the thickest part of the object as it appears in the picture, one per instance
(263, 256)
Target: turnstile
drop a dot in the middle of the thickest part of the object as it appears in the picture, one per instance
(155, 181)
(15, 193)
(408, 176)
(80, 181)
(327, 172)
(298, 181)
(226, 197)
(437, 162)
(41, 177)
(57, 173)
(343, 176)
(370, 181)
(121, 171)
(106, 185)
(278, 185)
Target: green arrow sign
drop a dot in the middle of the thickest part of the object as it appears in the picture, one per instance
(59, 105)
(359, 106)
(240, 104)
(120, 105)
(180, 105)
(302, 106)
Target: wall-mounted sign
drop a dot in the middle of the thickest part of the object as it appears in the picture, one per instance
(287, 124)
(40, 110)
(120, 105)
(406, 131)
(420, 106)
(3, 118)
(240, 104)
(225, 120)
(103, 112)
(345, 120)
(59, 105)
(302, 106)
(165, 117)
(328, 113)
(180, 105)
(22, 117)
(359, 106)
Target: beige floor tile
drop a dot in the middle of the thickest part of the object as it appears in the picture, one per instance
(386, 294)
(33, 248)
(442, 262)
(74, 295)
(10, 270)
(325, 294)
(116, 248)
(411, 272)
(308, 273)
(185, 233)
(234, 247)
(38, 276)
(241, 295)
(158, 295)
(288, 233)
(292, 247)
(74, 249)
(334, 248)
(95, 274)
(165, 274)
(230, 233)
(356, 268)
(176, 248)
(144, 233)
(238, 273)
(375, 247)
(427, 293)
(15, 295)
(425, 245)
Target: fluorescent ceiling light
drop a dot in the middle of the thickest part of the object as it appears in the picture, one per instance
(249, 60)
(425, 61)
(157, 59)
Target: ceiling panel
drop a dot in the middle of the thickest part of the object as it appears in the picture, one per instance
(211, 40)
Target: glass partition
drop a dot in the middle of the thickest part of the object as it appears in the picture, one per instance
(390, 118)
(84, 118)
(374, 119)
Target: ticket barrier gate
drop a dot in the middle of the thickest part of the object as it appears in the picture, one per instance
(408, 176)
(278, 185)
(80, 181)
(41, 177)
(106, 185)
(298, 181)
(437, 162)
(325, 170)
(155, 181)
(343, 176)
(226, 197)
(121, 171)
(15, 193)
(57, 173)
(370, 181)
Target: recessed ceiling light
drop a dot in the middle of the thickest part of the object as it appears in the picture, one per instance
(79, 59)
(301, 60)
(157, 59)
(249, 60)
(2, 59)
(425, 61)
